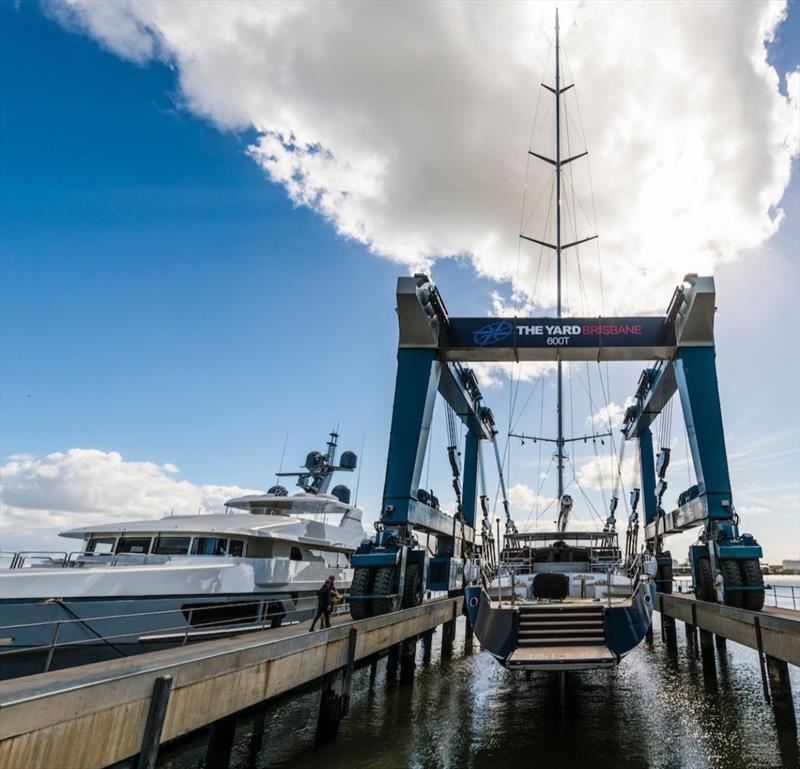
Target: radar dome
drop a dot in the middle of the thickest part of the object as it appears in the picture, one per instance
(342, 493)
(348, 460)
(314, 458)
(278, 491)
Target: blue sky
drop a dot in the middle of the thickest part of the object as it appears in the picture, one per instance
(161, 298)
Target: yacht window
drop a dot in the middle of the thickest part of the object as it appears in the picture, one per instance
(171, 545)
(133, 545)
(236, 548)
(101, 545)
(209, 546)
(295, 554)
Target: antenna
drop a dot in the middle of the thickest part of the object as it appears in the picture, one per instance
(361, 464)
(283, 455)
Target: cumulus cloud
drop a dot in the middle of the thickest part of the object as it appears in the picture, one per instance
(600, 473)
(406, 125)
(609, 417)
(44, 495)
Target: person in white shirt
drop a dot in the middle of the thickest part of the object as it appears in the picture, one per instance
(719, 587)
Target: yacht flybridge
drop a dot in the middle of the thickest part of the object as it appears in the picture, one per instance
(137, 586)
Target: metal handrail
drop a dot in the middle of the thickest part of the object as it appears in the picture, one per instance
(227, 624)
(778, 591)
(128, 615)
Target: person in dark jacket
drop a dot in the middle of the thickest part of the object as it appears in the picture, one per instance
(323, 605)
(335, 598)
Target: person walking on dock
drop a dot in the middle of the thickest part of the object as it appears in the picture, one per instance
(335, 598)
(719, 587)
(324, 605)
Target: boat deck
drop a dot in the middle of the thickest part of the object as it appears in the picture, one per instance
(561, 658)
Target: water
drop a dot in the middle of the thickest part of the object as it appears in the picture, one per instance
(657, 710)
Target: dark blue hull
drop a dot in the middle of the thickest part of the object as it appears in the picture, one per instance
(498, 629)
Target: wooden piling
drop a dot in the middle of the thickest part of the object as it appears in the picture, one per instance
(448, 635)
(155, 723)
(427, 645)
(779, 684)
(220, 743)
(669, 632)
(392, 661)
(330, 713)
(408, 660)
(707, 653)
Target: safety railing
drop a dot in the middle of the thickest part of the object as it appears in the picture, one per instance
(80, 558)
(778, 596)
(182, 632)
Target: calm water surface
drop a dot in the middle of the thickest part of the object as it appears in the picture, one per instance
(656, 710)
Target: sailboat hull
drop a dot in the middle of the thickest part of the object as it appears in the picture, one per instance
(501, 632)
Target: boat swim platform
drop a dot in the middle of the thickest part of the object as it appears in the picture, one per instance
(557, 658)
(96, 715)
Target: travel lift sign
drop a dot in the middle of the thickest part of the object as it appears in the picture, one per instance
(559, 332)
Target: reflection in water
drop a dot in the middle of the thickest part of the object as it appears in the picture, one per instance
(657, 710)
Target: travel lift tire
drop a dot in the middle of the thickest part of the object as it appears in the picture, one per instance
(733, 578)
(361, 585)
(704, 590)
(412, 589)
(385, 580)
(752, 600)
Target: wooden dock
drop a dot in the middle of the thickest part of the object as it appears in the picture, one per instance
(774, 633)
(96, 715)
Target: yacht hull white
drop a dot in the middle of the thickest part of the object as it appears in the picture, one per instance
(147, 585)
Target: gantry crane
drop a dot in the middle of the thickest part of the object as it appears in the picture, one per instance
(393, 569)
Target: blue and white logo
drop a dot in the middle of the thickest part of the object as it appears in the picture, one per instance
(492, 333)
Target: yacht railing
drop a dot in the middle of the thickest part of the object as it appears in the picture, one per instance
(78, 558)
(783, 596)
(186, 631)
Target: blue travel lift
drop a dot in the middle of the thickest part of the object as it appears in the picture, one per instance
(393, 570)
(708, 503)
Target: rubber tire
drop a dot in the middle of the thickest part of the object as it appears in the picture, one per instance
(361, 585)
(412, 589)
(753, 600)
(733, 578)
(704, 590)
(385, 583)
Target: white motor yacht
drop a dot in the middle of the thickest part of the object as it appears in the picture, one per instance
(141, 585)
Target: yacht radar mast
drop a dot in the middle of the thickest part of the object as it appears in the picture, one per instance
(320, 467)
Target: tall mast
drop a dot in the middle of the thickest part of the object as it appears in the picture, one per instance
(558, 163)
(559, 408)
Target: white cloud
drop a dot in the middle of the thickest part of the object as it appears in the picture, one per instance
(600, 473)
(747, 510)
(493, 374)
(406, 125)
(524, 502)
(609, 417)
(45, 495)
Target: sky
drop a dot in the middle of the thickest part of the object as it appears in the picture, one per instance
(204, 210)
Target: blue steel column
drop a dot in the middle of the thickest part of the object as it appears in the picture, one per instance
(647, 469)
(696, 375)
(471, 469)
(418, 373)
